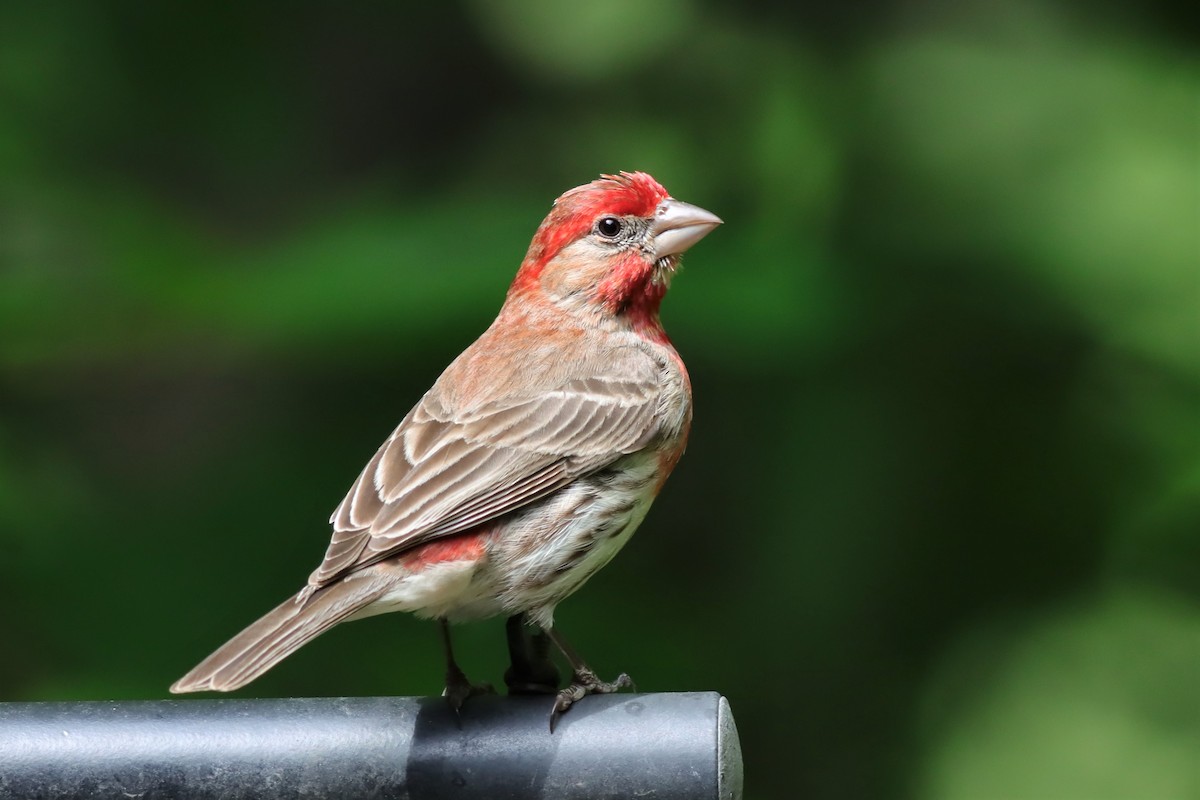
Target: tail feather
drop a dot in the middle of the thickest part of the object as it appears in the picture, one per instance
(292, 624)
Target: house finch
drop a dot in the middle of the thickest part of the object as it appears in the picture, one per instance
(528, 464)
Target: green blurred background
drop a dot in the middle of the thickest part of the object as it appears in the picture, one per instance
(937, 534)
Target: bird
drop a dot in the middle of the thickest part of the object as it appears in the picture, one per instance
(529, 463)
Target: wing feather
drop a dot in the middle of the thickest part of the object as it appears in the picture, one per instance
(446, 469)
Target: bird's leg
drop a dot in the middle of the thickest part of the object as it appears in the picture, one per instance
(532, 670)
(458, 688)
(584, 680)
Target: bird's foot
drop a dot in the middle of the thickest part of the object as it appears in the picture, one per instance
(458, 689)
(585, 682)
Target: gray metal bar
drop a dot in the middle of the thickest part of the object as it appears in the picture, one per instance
(663, 746)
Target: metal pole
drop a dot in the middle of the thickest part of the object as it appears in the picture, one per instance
(664, 746)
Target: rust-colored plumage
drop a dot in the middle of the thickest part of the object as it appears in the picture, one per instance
(529, 462)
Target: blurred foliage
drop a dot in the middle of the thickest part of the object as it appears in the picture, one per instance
(938, 530)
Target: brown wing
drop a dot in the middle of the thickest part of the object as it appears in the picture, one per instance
(444, 471)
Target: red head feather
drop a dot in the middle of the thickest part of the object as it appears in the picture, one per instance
(576, 210)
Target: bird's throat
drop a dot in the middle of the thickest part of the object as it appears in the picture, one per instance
(634, 292)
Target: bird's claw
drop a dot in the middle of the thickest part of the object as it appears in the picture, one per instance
(585, 682)
(458, 691)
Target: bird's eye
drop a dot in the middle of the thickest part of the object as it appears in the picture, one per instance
(609, 227)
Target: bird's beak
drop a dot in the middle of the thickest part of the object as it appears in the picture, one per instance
(677, 226)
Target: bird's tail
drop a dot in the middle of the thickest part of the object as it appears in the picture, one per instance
(279, 633)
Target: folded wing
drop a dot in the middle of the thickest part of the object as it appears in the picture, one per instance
(445, 470)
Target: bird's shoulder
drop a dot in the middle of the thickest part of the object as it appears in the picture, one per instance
(512, 365)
